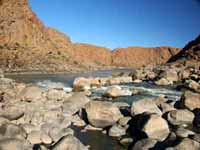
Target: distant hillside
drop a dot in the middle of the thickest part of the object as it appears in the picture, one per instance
(141, 56)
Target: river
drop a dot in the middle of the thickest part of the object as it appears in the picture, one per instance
(95, 139)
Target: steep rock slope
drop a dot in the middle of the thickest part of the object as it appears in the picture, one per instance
(25, 43)
(189, 54)
(140, 56)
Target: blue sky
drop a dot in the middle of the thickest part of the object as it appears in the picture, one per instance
(123, 23)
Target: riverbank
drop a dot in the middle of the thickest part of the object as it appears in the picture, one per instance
(33, 116)
(35, 72)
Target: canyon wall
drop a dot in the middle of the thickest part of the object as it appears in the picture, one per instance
(26, 44)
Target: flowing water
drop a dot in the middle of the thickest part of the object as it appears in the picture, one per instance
(95, 139)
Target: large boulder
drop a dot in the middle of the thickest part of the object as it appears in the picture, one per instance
(116, 91)
(144, 144)
(56, 133)
(54, 94)
(69, 143)
(34, 137)
(11, 113)
(184, 133)
(102, 114)
(180, 117)
(163, 81)
(31, 93)
(82, 84)
(14, 144)
(188, 144)
(117, 131)
(184, 74)
(169, 74)
(166, 107)
(119, 80)
(193, 85)
(145, 105)
(191, 100)
(12, 131)
(74, 103)
(156, 128)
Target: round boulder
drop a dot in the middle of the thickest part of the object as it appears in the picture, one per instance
(156, 128)
(102, 114)
(180, 117)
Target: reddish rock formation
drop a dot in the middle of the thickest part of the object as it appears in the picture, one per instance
(140, 56)
(91, 55)
(26, 44)
(189, 54)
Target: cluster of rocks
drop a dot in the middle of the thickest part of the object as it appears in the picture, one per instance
(31, 118)
(168, 75)
(151, 123)
(82, 84)
(34, 118)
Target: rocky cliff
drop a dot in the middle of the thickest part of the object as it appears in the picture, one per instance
(26, 44)
(141, 56)
(189, 54)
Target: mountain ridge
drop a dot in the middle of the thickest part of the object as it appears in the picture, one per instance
(27, 44)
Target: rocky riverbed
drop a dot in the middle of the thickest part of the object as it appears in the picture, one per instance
(52, 117)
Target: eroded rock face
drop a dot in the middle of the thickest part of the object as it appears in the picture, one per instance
(102, 114)
(189, 54)
(25, 39)
(91, 55)
(137, 56)
(26, 44)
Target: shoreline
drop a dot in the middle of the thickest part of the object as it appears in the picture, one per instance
(31, 72)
